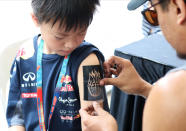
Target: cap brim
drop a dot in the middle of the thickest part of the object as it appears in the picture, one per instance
(133, 4)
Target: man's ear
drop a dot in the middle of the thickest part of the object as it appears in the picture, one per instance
(181, 11)
(35, 19)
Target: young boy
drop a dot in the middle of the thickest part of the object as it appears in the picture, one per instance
(47, 83)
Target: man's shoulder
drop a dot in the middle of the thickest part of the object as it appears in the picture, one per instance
(174, 81)
(171, 87)
(165, 107)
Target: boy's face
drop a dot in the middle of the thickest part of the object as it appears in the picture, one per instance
(58, 41)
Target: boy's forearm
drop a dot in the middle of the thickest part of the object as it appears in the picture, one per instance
(16, 128)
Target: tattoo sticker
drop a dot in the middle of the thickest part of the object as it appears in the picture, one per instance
(91, 76)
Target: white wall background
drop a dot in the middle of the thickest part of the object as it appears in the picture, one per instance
(113, 26)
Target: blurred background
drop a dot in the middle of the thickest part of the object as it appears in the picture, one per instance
(113, 26)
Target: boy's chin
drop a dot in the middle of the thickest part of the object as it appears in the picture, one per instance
(63, 53)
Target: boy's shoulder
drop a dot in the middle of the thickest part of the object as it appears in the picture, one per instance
(86, 45)
(84, 50)
(26, 49)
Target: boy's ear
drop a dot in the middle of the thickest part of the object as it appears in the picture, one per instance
(35, 19)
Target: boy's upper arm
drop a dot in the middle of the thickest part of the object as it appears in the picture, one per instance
(165, 108)
(14, 111)
(16, 128)
(89, 60)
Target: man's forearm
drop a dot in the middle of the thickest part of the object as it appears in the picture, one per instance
(146, 89)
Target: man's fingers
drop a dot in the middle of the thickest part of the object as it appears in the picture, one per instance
(114, 71)
(118, 61)
(98, 109)
(84, 114)
(115, 60)
(108, 81)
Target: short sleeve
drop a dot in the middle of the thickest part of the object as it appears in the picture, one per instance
(14, 113)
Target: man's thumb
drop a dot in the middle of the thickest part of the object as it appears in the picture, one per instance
(98, 109)
(108, 81)
(83, 113)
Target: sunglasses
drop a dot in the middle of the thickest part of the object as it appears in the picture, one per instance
(151, 15)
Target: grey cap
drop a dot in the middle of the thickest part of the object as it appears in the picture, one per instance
(133, 4)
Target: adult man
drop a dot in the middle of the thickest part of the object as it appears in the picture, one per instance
(165, 109)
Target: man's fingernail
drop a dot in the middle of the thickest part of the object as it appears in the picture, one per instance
(96, 104)
(101, 82)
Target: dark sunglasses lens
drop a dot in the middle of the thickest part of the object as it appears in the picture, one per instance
(151, 17)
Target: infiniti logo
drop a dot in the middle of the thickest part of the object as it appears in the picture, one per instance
(29, 76)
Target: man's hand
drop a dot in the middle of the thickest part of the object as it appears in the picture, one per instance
(127, 79)
(94, 118)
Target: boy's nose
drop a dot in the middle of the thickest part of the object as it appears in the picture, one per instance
(70, 43)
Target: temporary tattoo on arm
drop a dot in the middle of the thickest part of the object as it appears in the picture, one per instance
(92, 75)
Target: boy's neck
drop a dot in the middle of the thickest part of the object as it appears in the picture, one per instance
(45, 48)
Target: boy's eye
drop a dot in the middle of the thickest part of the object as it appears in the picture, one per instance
(59, 38)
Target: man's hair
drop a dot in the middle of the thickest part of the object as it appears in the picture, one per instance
(70, 13)
(164, 4)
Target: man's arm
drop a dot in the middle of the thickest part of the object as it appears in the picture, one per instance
(90, 60)
(165, 108)
(127, 79)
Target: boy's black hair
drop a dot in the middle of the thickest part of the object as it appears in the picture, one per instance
(70, 13)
